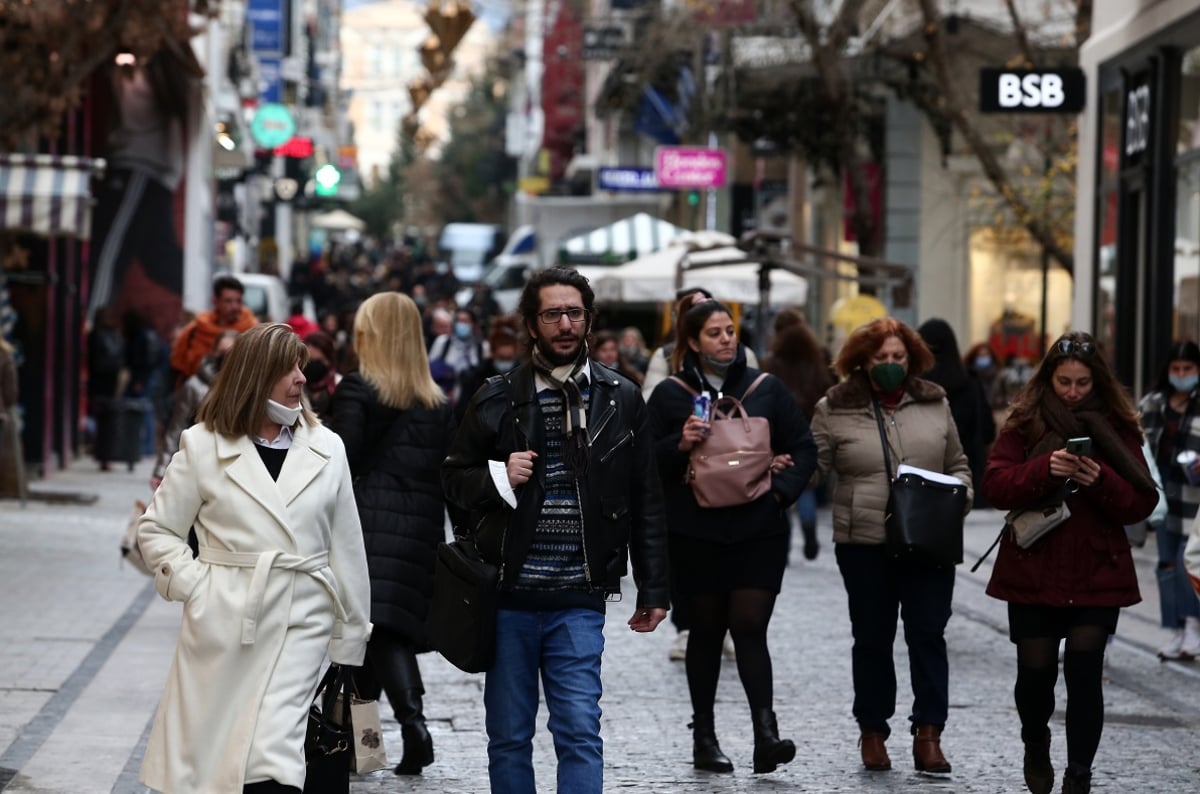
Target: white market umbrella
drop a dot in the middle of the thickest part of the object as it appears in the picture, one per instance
(338, 220)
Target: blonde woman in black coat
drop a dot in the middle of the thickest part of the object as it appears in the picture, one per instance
(396, 424)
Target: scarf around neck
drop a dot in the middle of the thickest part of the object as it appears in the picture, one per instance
(570, 379)
(1090, 418)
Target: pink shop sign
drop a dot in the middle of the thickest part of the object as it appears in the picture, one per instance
(689, 167)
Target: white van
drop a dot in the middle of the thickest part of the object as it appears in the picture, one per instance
(467, 247)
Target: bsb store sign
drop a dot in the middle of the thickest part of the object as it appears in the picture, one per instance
(1032, 90)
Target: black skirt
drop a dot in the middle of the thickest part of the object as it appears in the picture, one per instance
(699, 566)
(1026, 621)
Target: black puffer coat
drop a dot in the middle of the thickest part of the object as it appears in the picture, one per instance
(399, 495)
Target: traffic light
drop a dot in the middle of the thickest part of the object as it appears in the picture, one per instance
(327, 179)
(693, 198)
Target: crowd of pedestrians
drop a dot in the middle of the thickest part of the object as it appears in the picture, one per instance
(567, 453)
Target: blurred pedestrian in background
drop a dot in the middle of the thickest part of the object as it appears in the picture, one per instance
(966, 394)
(981, 360)
(187, 403)
(196, 339)
(880, 361)
(321, 376)
(658, 368)
(1072, 582)
(797, 359)
(280, 580)
(606, 350)
(728, 562)
(107, 374)
(1171, 417)
(396, 425)
(632, 346)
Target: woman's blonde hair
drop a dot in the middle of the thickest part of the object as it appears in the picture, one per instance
(237, 403)
(391, 351)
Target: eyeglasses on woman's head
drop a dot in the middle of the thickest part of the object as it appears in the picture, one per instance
(553, 316)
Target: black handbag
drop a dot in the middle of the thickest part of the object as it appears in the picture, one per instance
(462, 613)
(924, 518)
(329, 742)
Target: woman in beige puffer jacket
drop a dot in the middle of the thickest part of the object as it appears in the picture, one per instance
(878, 362)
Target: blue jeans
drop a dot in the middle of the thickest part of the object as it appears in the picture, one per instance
(565, 647)
(878, 587)
(1176, 598)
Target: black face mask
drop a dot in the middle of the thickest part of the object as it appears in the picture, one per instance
(315, 371)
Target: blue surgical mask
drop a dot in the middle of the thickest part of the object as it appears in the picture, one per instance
(503, 365)
(1185, 383)
(462, 330)
(983, 362)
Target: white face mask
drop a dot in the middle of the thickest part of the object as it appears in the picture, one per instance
(280, 413)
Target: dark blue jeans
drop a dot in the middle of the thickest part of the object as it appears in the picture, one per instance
(564, 647)
(879, 588)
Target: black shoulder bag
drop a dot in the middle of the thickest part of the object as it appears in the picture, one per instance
(924, 518)
(329, 742)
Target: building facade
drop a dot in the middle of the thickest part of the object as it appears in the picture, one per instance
(1137, 238)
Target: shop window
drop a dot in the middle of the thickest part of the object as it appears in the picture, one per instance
(1106, 272)
(1110, 135)
(1188, 137)
(1186, 320)
(1007, 263)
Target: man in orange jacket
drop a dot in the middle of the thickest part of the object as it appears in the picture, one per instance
(197, 337)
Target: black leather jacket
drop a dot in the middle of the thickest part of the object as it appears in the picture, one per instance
(620, 496)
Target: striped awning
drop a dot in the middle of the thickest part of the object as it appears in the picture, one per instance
(47, 194)
(619, 242)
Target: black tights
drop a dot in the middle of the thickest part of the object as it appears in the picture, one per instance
(745, 615)
(1083, 670)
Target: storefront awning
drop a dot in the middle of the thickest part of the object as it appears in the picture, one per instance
(47, 194)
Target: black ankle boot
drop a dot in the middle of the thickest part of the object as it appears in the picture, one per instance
(812, 547)
(418, 744)
(1039, 772)
(769, 750)
(706, 753)
(1077, 780)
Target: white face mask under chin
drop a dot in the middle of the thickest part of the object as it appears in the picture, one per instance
(280, 413)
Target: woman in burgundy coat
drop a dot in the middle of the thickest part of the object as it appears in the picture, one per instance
(1073, 581)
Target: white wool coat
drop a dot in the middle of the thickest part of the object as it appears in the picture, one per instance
(281, 578)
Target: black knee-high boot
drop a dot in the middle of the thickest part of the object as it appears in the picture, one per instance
(395, 665)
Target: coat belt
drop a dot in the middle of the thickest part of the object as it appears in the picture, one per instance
(262, 562)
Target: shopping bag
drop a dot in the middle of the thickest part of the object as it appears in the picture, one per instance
(369, 752)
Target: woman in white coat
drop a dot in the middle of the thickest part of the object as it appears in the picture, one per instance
(281, 576)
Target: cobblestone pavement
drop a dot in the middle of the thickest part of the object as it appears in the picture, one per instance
(85, 644)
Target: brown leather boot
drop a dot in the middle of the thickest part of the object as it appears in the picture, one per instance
(927, 750)
(874, 751)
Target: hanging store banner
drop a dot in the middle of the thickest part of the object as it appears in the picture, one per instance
(689, 167)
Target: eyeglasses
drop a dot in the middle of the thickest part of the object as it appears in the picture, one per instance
(1071, 346)
(554, 316)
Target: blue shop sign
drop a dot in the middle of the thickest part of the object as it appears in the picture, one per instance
(627, 179)
(266, 26)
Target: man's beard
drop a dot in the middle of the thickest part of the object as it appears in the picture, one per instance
(556, 358)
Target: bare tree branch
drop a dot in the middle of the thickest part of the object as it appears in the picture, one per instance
(1037, 224)
(1020, 34)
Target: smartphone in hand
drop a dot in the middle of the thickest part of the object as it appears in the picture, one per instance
(1080, 447)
